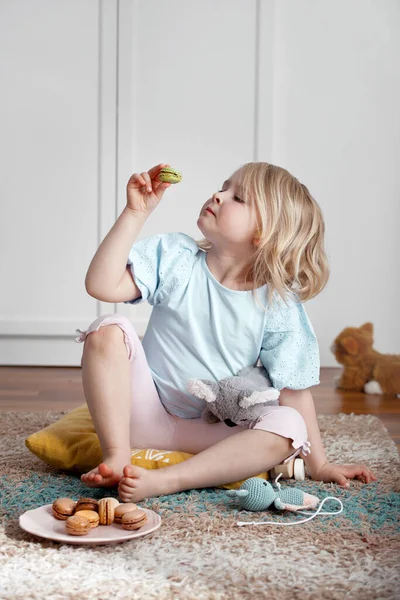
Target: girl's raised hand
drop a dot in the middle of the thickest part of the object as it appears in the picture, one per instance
(144, 191)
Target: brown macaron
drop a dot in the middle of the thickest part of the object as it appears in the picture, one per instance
(122, 509)
(87, 504)
(106, 510)
(134, 519)
(91, 515)
(63, 508)
(77, 525)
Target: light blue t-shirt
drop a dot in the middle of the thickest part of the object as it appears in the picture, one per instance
(200, 329)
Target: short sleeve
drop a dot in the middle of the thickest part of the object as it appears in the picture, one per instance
(160, 264)
(289, 351)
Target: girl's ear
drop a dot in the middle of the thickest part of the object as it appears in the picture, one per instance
(257, 237)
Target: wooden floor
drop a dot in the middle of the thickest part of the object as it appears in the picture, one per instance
(54, 388)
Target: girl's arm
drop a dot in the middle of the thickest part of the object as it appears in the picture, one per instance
(108, 278)
(316, 462)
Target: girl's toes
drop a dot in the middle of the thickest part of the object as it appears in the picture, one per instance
(124, 487)
(125, 492)
(125, 497)
(129, 471)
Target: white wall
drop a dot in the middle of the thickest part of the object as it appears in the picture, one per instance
(337, 128)
(98, 90)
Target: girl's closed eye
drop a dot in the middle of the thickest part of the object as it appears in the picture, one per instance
(235, 198)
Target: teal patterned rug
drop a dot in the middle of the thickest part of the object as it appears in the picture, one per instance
(199, 551)
(365, 508)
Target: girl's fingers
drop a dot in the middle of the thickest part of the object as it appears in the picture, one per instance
(160, 189)
(369, 475)
(153, 172)
(158, 186)
(136, 180)
(364, 474)
(342, 481)
(147, 179)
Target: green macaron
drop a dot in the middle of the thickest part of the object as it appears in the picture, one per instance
(169, 175)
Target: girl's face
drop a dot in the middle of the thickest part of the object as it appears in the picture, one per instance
(229, 217)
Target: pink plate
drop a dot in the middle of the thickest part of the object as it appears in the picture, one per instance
(41, 522)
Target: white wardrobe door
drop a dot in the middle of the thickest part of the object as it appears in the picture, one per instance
(57, 145)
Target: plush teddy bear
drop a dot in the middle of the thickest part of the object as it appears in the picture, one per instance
(365, 369)
(236, 400)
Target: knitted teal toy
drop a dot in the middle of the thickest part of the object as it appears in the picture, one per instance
(257, 494)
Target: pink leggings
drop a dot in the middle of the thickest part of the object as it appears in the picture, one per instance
(152, 426)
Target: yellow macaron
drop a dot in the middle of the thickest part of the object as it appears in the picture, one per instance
(91, 515)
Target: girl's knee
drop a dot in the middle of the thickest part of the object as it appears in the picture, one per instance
(297, 425)
(286, 422)
(108, 333)
(107, 336)
(293, 416)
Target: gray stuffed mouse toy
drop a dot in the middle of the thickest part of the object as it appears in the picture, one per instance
(236, 400)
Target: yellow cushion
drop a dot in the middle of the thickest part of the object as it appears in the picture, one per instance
(72, 444)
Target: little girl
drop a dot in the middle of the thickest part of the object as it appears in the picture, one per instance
(219, 305)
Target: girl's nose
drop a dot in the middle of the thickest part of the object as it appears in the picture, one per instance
(217, 199)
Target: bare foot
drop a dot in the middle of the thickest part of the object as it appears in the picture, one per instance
(138, 483)
(108, 473)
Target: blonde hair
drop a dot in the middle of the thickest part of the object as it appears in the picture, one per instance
(290, 257)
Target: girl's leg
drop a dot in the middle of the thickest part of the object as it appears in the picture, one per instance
(244, 454)
(237, 457)
(117, 383)
(106, 383)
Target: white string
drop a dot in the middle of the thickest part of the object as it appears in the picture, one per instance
(302, 512)
(277, 482)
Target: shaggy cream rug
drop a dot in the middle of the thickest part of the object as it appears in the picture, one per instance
(199, 552)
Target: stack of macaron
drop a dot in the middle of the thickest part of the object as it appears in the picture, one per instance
(83, 515)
